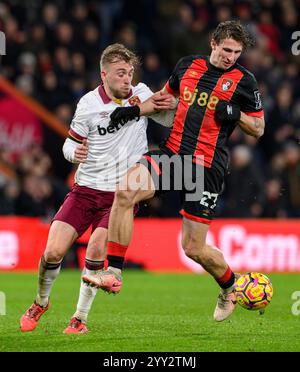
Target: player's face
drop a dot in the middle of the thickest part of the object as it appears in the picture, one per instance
(117, 78)
(226, 53)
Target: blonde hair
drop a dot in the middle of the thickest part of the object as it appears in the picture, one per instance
(118, 52)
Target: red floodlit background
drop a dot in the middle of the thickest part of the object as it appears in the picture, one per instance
(51, 59)
(266, 246)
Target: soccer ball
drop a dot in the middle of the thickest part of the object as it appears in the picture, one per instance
(253, 291)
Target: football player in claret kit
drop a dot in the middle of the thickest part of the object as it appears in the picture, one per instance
(104, 153)
(216, 94)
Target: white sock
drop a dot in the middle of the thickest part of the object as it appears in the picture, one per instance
(86, 298)
(48, 272)
(227, 290)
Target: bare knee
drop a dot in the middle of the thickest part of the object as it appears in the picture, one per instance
(205, 255)
(53, 255)
(125, 198)
(60, 239)
(199, 253)
(193, 250)
(55, 250)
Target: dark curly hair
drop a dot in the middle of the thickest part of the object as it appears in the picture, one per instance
(233, 30)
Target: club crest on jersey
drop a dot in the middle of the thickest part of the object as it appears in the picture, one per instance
(133, 101)
(226, 84)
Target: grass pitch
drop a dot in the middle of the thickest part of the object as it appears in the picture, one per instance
(153, 312)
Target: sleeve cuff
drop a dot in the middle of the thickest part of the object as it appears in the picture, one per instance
(75, 137)
(257, 114)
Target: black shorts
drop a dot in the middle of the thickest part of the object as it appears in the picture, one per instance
(199, 186)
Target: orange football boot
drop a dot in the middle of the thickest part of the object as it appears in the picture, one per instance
(29, 320)
(76, 326)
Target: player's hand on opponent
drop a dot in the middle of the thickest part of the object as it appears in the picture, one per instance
(164, 101)
(228, 112)
(159, 101)
(121, 115)
(81, 152)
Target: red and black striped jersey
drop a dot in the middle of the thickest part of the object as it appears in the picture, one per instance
(200, 86)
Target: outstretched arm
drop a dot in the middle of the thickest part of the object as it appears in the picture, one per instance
(159, 101)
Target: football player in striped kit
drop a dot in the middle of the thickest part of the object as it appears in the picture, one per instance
(216, 94)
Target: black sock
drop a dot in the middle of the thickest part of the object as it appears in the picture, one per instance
(115, 261)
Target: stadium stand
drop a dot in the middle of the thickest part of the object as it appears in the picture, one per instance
(52, 57)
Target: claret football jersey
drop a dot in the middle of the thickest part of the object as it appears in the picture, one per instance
(200, 86)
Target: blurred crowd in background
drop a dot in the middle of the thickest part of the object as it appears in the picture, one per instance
(52, 55)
